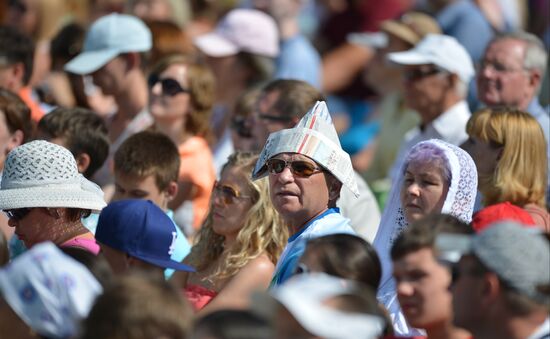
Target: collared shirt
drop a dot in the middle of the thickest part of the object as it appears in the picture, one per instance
(450, 126)
(543, 331)
(329, 222)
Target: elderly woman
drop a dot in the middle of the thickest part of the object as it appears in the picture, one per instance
(45, 197)
(239, 243)
(509, 149)
(436, 177)
(182, 95)
(45, 294)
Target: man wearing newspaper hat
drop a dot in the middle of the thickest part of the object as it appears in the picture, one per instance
(307, 168)
(501, 281)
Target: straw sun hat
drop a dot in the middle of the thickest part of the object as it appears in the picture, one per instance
(42, 174)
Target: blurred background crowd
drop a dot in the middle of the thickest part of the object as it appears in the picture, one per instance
(137, 135)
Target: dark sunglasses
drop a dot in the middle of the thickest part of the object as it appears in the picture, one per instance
(299, 167)
(419, 73)
(228, 193)
(18, 5)
(169, 86)
(18, 213)
(274, 118)
(239, 124)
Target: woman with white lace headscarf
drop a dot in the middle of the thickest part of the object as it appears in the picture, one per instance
(436, 177)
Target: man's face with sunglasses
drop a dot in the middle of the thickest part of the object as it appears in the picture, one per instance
(267, 120)
(169, 93)
(425, 88)
(298, 187)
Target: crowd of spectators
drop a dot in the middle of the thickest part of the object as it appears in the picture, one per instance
(274, 169)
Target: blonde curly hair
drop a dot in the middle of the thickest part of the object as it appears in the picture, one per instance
(263, 230)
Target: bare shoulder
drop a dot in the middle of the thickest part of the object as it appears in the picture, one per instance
(260, 264)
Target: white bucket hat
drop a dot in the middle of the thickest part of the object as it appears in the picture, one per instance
(42, 174)
(315, 137)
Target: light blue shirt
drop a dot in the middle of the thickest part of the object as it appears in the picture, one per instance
(329, 222)
(299, 60)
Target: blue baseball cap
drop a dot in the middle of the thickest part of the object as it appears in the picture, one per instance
(108, 37)
(140, 229)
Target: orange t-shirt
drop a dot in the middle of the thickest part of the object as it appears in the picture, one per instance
(197, 167)
(36, 112)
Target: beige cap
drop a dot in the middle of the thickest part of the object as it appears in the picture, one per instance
(411, 27)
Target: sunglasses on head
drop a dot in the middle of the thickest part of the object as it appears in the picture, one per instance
(18, 213)
(169, 86)
(299, 167)
(227, 193)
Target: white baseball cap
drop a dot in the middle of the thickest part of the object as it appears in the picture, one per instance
(441, 50)
(242, 30)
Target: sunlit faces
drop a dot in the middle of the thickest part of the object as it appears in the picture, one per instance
(35, 227)
(228, 215)
(425, 85)
(111, 76)
(133, 187)
(485, 156)
(298, 199)
(501, 77)
(266, 119)
(422, 289)
(173, 107)
(424, 190)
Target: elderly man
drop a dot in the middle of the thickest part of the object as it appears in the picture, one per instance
(511, 72)
(436, 74)
(307, 168)
(281, 105)
(501, 285)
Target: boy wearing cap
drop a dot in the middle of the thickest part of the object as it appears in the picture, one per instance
(307, 168)
(113, 54)
(147, 167)
(436, 73)
(137, 234)
(501, 283)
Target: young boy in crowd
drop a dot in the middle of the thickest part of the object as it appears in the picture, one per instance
(146, 166)
(82, 132)
(422, 283)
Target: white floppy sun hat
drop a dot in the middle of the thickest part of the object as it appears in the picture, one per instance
(42, 174)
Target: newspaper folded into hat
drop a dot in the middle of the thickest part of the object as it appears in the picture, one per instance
(315, 137)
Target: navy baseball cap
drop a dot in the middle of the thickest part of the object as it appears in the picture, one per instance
(140, 229)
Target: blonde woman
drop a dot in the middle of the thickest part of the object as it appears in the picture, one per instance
(238, 245)
(509, 150)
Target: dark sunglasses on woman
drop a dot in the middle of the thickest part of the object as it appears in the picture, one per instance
(170, 87)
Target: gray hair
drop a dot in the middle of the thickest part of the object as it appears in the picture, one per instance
(535, 57)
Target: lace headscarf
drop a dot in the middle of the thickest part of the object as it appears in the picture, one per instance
(459, 203)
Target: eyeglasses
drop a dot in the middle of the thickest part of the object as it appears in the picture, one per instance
(420, 73)
(496, 67)
(18, 213)
(170, 87)
(274, 118)
(18, 5)
(299, 167)
(228, 193)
